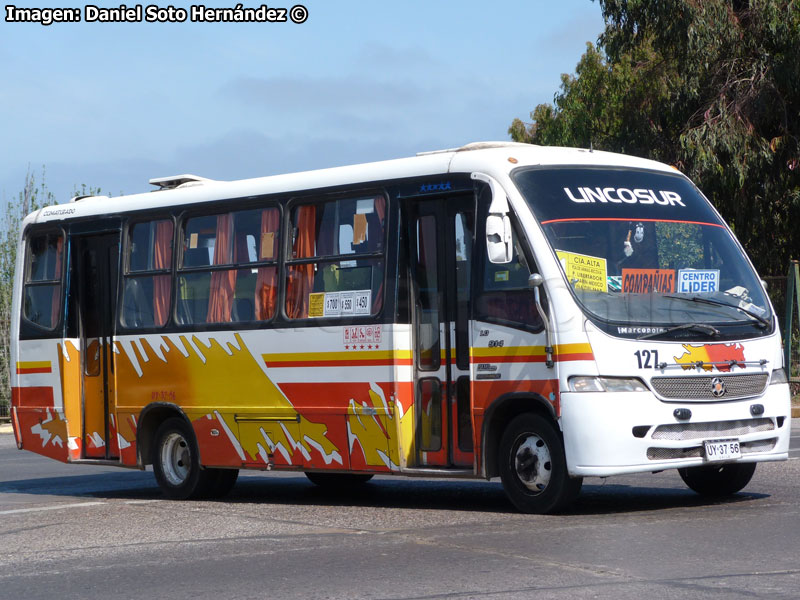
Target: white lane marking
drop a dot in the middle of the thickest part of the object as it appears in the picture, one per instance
(41, 508)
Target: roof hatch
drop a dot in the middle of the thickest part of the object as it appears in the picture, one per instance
(177, 181)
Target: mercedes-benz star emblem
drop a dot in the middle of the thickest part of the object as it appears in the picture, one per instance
(717, 387)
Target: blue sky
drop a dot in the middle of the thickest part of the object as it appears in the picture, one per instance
(113, 105)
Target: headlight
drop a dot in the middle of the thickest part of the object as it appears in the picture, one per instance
(778, 376)
(606, 384)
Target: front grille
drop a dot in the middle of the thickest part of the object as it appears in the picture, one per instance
(671, 453)
(699, 388)
(759, 446)
(695, 431)
(697, 451)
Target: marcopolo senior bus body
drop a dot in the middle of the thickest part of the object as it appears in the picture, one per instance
(498, 310)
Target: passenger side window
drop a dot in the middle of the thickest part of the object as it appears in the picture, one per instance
(41, 303)
(503, 293)
(336, 262)
(147, 290)
(228, 271)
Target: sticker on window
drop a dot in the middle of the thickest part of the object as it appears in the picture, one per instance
(645, 281)
(614, 283)
(698, 281)
(333, 305)
(359, 228)
(316, 304)
(362, 302)
(340, 304)
(268, 245)
(584, 272)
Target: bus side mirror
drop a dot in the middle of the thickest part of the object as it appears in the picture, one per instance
(498, 239)
(499, 244)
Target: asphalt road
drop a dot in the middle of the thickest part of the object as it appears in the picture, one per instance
(69, 531)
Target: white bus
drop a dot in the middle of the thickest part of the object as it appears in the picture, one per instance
(535, 314)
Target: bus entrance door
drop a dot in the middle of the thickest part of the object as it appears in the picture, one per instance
(94, 281)
(441, 240)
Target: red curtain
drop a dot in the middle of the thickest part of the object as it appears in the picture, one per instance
(301, 277)
(380, 209)
(220, 294)
(162, 259)
(56, 304)
(266, 289)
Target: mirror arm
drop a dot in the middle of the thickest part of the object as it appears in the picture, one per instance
(535, 281)
(548, 349)
(499, 205)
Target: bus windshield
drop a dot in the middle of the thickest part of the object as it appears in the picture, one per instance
(645, 254)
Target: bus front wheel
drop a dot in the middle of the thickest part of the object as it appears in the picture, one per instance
(718, 480)
(176, 462)
(533, 466)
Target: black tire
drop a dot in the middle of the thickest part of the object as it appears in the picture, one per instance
(176, 462)
(718, 480)
(533, 466)
(339, 480)
(220, 482)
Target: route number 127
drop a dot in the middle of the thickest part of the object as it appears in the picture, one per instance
(648, 359)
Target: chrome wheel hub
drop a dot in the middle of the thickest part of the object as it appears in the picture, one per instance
(176, 458)
(533, 464)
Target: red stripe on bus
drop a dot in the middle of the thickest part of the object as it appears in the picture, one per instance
(532, 358)
(31, 370)
(377, 362)
(642, 220)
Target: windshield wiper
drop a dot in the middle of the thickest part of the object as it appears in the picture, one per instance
(712, 302)
(710, 329)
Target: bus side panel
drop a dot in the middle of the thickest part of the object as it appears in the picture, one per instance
(510, 363)
(211, 377)
(358, 416)
(251, 407)
(69, 358)
(126, 423)
(404, 407)
(36, 399)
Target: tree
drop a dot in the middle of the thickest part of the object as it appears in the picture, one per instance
(709, 86)
(32, 197)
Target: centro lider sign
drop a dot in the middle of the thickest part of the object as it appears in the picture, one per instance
(624, 195)
(693, 281)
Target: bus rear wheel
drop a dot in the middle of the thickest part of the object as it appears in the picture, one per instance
(533, 466)
(176, 462)
(338, 480)
(220, 482)
(718, 480)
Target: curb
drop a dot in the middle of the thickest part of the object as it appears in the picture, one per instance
(6, 428)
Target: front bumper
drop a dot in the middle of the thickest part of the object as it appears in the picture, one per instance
(616, 433)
